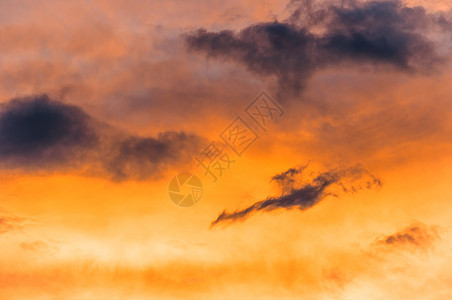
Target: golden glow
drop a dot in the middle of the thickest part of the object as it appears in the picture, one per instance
(85, 237)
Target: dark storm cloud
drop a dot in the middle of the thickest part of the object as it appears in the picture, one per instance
(40, 134)
(314, 37)
(37, 132)
(307, 195)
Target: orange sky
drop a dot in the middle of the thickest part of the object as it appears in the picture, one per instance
(90, 217)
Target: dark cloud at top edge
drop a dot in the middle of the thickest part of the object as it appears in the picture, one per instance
(376, 32)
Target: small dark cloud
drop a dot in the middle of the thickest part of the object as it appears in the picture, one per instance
(316, 36)
(143, 157)
(307, 194)
(419, 235)
(38, 134)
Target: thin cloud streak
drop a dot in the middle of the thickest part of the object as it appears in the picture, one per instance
(306, 196)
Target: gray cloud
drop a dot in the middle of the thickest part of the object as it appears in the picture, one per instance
(376, 32)
(41, 134)
(307, 194)
(143, 157)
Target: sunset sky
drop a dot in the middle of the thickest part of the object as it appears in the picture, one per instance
(332, 121)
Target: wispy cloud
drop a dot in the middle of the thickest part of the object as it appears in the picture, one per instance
(308, 194)
(417, 235)
(10, 222)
